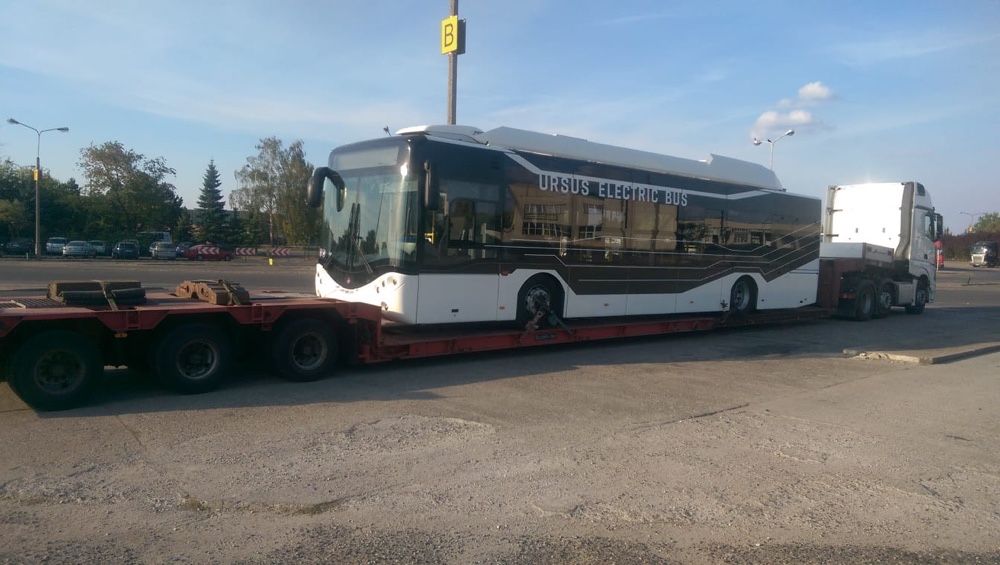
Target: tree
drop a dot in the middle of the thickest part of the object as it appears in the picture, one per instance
(183, 229)
(14, 216)
(140, 198)
(988, 223)
(211, 207)
(273, 184)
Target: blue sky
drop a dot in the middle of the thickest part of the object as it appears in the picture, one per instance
(875, 90)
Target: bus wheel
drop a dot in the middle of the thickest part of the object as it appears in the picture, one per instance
(55, 370)
(743, 297)
(920, 300)
(539, 297)
(193, 358)
(864, 301)
(304, 350)
(884, 299)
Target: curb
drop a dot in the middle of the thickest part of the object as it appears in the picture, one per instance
(926, 359)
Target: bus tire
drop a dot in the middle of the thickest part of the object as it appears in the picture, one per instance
(55, 370)
(884, 299)
(304, 350)
(193, 358)
(539, 293)
(864, 301)
(919, 301)
(743, 297)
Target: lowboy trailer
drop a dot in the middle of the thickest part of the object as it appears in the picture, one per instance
(53, 349)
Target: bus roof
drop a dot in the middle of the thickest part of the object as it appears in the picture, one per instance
(715, 167)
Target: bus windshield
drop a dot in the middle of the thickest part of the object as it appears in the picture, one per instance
(375, 231)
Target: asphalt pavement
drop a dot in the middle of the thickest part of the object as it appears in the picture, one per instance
(759, 445)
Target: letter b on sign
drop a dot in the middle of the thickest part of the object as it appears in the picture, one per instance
(452, 35)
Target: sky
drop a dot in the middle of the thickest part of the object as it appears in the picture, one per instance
(875, 91)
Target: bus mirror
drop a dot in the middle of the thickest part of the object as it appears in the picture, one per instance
(314, 192)
(938, 226)
(432, 198)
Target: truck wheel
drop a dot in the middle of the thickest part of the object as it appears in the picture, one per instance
(743, 297)
(920, 301)
(304, 350)
(540, 294)
(193, 358)
(55, 370)
(884, 299)
(864, 301)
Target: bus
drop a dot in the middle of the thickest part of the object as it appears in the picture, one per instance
(452, 224)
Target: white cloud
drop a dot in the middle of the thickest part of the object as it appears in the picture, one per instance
(791, 112)
(815, 92)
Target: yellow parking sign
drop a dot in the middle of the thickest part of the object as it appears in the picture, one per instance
(452, 35)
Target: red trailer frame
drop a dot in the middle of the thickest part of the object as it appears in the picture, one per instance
(300, 332)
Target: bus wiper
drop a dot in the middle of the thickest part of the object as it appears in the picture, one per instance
(361, 253)
(355, 235)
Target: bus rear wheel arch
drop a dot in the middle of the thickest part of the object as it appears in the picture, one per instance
(540, 296)
(743, 296)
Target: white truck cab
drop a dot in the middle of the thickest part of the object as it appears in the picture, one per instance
(898, 247)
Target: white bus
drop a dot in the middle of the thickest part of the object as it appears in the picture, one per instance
(450, 224)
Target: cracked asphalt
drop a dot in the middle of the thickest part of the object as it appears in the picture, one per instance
(763, 445)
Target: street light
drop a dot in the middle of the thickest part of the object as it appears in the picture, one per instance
(756, 141)
(38, 177)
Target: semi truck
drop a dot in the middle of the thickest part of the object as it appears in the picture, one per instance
(871, 251)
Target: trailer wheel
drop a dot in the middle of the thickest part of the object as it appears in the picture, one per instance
(55, 370)
(919, 301)
(864, 301)
(884, 299)
(304, 350)
(539, 295)
(193, 358)
(743, 297)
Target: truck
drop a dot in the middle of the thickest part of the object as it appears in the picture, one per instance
(873, 252)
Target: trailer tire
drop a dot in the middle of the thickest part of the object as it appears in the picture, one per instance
(919, 301)
(884, 299)
(55, 370)
(539, 293)
(743, 297)
(193, 358)
(864, 301)
(304, 350)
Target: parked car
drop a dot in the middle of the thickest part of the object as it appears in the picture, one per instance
(54, 245)
(20, 246)
(209, 252)
(985, 254)
(100, 247)
(125, 250)
(77, 248)
(163, 250)
(182, 247)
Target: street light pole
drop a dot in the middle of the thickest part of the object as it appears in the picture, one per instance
(38, 179)
(972, 219)
(772, 142)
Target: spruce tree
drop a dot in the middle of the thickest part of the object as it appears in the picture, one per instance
(211, 215)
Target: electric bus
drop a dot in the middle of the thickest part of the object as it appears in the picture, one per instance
(451, 224)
